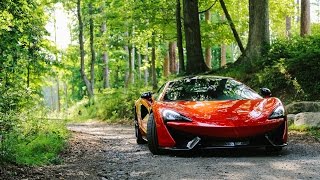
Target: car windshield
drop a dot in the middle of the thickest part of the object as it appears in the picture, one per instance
(208, 89)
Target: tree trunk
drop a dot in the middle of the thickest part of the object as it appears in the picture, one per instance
(208, 55)
(139, 66)
(153, 64)
(258, 41)
(58, 96)
(232, 26)
(172, 58)
(223, 55)
(93, 53)
(195, 60)
(305, 18)
(179, 37)
(133, 59)
(288, 27)
(146, 70)
(81, 47)
(298, 10)
(166, 67)
(130, 72)
(105, 58)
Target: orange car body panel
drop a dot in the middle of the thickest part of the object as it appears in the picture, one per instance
(232, 119)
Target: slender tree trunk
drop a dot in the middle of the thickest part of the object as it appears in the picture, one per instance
(223, 55)
(130, 73)
(133, 59)
(208, 55)
(81, 47)
(232, 26)
(56, 56)
(288, 27)
(305, 18)
(153, 64)
(166, 65)
(66, 95)
(258, 41)
(298, 11)
(223, 49)
(195, 60)
(106, 81)
(58, 96)
(139, 66)
(105, 58)
(179, 37)
(128, 51)
(172, 58)
(146, 70)
(93, 53)
(28, 74)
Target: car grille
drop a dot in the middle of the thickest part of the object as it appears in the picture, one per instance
(275, 136)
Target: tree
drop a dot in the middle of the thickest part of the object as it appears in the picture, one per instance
(232, 26)
(105, 57)
(172, 57)
(81, 48)
(259, 35)
(305, 18)
(195, 60)
(179, 37)
(208, 55)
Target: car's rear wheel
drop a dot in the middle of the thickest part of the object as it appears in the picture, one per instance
(139, 138)
(152, 136)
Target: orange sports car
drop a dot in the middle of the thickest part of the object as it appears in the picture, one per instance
(203, 112)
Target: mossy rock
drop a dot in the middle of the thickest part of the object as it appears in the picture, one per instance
(303, 106)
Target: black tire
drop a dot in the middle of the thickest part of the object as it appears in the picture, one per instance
(139, 138)
(273, 149)
(152, 136)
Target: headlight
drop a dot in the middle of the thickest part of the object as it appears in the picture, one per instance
(169, 115)
(277, 113)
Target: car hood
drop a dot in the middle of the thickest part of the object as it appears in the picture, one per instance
(235, 110)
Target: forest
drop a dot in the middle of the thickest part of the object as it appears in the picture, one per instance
(119, 49)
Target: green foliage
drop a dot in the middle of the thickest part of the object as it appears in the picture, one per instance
(315, 132)
(34, 142)
(112, 105)
(290, 69)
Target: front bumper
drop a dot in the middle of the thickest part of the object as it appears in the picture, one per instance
(187, 137)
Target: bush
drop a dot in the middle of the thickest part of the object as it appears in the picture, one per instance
(25, 137)
(112, 105)
(34, 142)
(290, 70)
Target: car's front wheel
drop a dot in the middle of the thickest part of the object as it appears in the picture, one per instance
(152, 136)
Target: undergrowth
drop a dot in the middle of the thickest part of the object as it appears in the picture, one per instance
(315, 132)
(26, 136)
(112, 105)
(290, 70)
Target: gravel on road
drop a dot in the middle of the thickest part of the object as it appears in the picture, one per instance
(101, 151)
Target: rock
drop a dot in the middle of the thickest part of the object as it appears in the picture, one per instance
(310, 119)
(303, 106)
(290, 118)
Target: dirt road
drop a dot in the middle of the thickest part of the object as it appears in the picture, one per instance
(101, 151)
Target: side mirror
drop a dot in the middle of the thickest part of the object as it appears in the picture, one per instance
(146, 95)
(265, 92)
